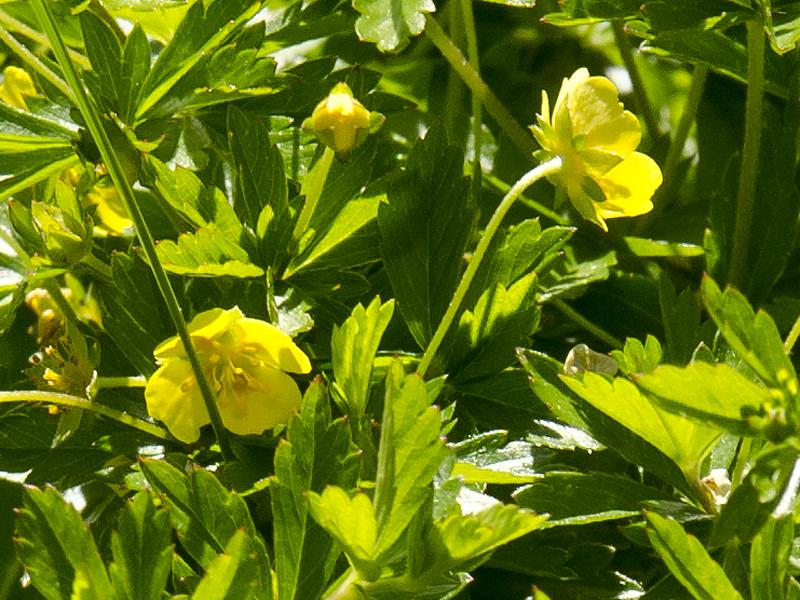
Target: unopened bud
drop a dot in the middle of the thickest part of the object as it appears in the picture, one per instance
(340, 121)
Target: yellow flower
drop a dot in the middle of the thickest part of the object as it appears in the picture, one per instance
(596, 139)
(17, 84)
(243, 360)
(110, 209)
(340, 121)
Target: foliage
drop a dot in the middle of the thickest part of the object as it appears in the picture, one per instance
(288, 311)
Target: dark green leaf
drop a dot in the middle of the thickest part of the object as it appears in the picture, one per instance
(769, 558)
(105, 54)
(424, 228)
(135, 67)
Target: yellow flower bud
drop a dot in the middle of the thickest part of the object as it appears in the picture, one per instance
(340, 121)
(595, 138)
(17, 84)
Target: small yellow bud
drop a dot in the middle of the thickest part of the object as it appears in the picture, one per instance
(17, 84)
(340, 121)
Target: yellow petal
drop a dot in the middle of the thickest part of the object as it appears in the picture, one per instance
(204, 328)
(629, 186)
(562, 123)
(272, 346)
(271, 400)
(597, 113)
(17, 84)
(172, 396)
(110, 209)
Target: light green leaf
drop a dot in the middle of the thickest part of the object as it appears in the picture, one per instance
(688, 560)
(391, 23)
(714, 394)
(645, 247)
(410, 453)
(57, 549)
(353, 348)
(636, 357)
(769, 558)
(318, 451)
(580, 498)
(206, 253)
(683, 440)
(467, 537)
(424, 227)
(513, 463)
(753, 336)
(236, 574)
(142, 550)
(351, 521)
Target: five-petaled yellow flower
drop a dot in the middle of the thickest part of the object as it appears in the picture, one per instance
(243, 360)
(596, 139)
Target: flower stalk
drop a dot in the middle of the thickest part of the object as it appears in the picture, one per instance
(546, 169)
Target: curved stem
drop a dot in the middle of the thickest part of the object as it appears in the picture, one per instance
(312, 186)
(754, 108)
(518, 135)
(643, 103)
(83, 403)
(595, 330)
(95, 126)
(540, 208)
(527, 180)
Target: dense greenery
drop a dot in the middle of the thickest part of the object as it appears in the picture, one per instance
(200, 224)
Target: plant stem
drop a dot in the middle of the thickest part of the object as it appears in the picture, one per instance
(312, 186)
(95, 126)
(595, 330)
(503, 187)
(754, 108)
(675, 151)
(545, 169)
(136, 381)
(83, 403)
(639, 92)
(30, 59)
(468, 19)
(518, 135)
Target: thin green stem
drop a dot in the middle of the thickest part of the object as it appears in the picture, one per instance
(639, 91)
(473, 56)
(136, 381)
(12, 24)
(791, 339)
(693, 98)
(754, 112)
(30, 59)
(95, 126)
(503, 188)
(595, 330)
(83, 403)
(518, 135)
(545, 169)
(312, 189)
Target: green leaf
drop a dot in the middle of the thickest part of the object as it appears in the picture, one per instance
(105, 54)
(769, 558)
(665, 15)
(467, 537)
(135, 66)
(567, 274)
(236, 574)
(510, 464)
(683, 440)
(424, 228)
(130, 314)
(206, 253)
(714, 394)
(13, 271)
(582, 498)
(259, 178)
(645, 247)
(753, 336)
(353, 348)
(142, 550)
(410, 453)
(351, 521)
(688, 560)
(318, 451)
(486, 337)
(57, 549)
(207, 26)
(545, 376)
(753, 501)
(391, 23)
(636, 357)
(681, 317)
